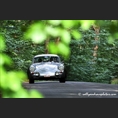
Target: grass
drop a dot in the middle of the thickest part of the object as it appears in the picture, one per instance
(114, 81)
(26, 80)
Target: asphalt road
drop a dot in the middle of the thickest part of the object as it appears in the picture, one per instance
(70, 89)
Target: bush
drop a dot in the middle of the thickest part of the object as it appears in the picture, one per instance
(114, 81)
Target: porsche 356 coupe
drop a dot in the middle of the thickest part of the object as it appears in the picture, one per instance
(46, 67)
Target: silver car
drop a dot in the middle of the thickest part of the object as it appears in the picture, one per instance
(45, 67)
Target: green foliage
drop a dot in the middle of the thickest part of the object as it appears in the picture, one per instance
(111, 26)
(39, 32)
(10, 81)
(60, 48)
(19, 50)
(82, 67)
(16, 53)
(114, 81)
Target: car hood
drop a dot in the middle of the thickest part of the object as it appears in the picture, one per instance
(48, 66)
(43, 64)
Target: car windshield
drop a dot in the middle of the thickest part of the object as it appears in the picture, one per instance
(46, 59)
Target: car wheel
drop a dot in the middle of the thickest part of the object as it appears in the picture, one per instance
(31, 81)
(62, 80)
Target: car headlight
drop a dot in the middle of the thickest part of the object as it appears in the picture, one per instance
(61, 67)
(32, 68)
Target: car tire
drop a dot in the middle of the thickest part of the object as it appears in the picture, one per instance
(31, 81)
(62, 80)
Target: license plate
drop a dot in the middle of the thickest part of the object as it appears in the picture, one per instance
(46, 75)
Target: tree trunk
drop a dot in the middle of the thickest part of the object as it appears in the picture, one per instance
(46, 46)
(57, 40)
(97, 29)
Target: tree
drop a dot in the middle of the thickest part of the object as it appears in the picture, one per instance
(76, 42)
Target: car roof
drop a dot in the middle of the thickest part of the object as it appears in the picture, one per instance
(45, 55)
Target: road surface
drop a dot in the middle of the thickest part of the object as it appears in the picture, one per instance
(72, 89)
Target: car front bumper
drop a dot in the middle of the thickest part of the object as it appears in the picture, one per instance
(38, 76)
